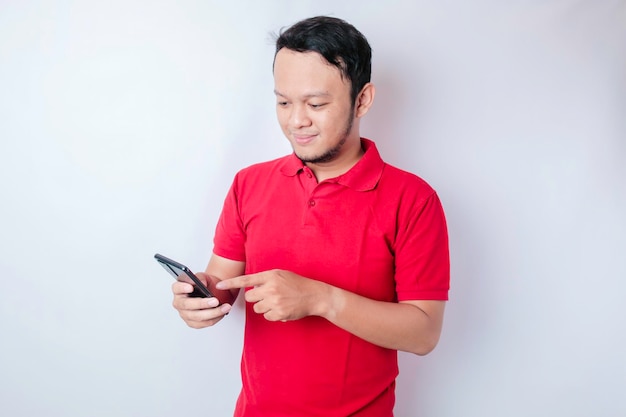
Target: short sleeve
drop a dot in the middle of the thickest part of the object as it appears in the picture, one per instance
(230, 237)
(422, 259)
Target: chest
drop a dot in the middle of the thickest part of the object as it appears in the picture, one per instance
(323, 231)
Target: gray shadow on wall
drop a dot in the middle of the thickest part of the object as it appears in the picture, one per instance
(385, 122)
(396, 123)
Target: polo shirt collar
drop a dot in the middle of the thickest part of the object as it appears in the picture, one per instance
(363, 176)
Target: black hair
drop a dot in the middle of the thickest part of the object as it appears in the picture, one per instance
(340, 43)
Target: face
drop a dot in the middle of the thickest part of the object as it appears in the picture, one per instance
(314, 107)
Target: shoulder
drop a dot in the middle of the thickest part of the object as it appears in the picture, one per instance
(262, 171)
(266, 166)
(404, 183)
(263, 176)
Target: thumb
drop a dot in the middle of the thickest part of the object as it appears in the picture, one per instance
(203, 277)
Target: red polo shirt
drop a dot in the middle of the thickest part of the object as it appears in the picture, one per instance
(376, 231)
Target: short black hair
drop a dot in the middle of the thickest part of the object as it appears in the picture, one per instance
(340, 43)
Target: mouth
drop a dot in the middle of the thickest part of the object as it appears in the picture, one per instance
(303, 138)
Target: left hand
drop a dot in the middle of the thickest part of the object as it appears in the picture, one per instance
(278, 294)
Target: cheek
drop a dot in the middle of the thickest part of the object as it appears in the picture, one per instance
(332, 121)
(282, 118)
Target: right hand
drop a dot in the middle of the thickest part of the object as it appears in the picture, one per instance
(198, 312)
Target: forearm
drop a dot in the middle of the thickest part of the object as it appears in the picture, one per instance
(412, 326)
(220, 268)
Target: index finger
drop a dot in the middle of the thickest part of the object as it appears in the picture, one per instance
(181, 288)
(242, 281)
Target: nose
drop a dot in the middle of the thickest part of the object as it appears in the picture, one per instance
(299, 117)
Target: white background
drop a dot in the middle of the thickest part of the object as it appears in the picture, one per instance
(122, 124)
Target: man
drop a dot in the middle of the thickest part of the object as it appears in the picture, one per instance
(344, 258)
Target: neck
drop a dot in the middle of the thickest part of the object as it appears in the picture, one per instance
(342, 164)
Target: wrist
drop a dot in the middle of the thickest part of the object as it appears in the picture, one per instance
(328, 302)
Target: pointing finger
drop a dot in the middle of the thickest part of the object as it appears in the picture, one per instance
(242, 281)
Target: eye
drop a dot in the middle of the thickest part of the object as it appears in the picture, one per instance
(316, 105)
(281, 103)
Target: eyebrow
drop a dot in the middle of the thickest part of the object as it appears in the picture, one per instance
(309, 95)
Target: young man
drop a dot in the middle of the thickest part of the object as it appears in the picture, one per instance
(343, 258)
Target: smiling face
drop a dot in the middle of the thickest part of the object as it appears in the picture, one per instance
(314, 108)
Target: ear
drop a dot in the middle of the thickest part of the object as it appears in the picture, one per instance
(364, 100)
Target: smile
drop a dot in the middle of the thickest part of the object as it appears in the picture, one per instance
(301, 139)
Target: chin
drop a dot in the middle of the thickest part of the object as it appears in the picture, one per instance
(306, 154)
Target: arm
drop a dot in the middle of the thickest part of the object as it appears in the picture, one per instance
(412, 326)
(204, 312)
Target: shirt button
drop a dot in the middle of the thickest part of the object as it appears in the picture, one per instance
(308, 174)
(311, 203)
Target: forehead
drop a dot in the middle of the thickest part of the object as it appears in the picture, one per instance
(299, 73)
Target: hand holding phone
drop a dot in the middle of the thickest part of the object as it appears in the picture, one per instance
(183, 274)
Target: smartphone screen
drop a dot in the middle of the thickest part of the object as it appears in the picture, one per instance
(183, 274)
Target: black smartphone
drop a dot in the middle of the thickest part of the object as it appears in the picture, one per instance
(184, 274)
